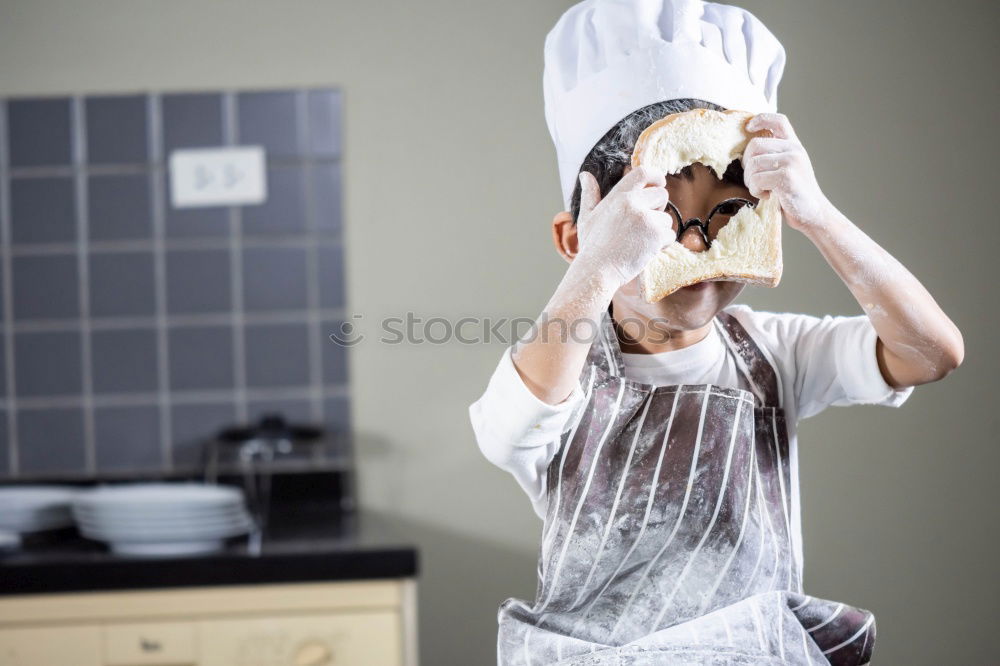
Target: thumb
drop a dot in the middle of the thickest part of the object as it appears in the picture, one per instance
(590, 194)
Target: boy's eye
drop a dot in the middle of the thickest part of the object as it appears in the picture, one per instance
(730, 207)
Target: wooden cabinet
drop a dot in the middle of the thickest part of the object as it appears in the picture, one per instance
(367, 623)
(78, 645)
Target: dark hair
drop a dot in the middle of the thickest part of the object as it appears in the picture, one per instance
(609, 156)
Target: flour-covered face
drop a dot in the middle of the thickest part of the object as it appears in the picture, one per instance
(695, 191)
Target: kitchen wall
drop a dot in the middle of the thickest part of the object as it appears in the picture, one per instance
(135, 329)
(450, 184)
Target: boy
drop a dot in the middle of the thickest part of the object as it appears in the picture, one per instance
(660, 452)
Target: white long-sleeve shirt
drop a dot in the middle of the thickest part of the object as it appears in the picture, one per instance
(821, 362)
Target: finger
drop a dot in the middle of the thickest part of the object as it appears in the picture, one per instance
(763, 144)
(642, 176)
(654, 198)
(590, 194)
(764, 181)
(766, 162)
(777, 123)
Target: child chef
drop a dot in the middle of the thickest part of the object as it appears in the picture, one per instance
(660, 452)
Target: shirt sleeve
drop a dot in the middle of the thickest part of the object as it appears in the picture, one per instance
(518, 432)
(833, 362)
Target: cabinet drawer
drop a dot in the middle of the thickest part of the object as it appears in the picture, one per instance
(372, 638)
(51, 646)
(149, 643)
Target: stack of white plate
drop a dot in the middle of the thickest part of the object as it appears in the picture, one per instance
(35, 508)
(162, 518)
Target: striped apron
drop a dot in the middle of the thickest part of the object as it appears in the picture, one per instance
(668, 533)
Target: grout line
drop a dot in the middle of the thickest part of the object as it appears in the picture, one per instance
(182, 397)
(324, 238)
(195, 469)
(158, 212)
(174, 321)
(312, 263)
(138, 169)
(79, 133)
(6, 236)
(230, 131)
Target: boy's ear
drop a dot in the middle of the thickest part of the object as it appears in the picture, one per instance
(564, 235)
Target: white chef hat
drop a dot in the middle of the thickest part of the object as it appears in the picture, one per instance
(605, 59)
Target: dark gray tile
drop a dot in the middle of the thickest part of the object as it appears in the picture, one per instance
(296, 411)
(127, 438)
(4, 445)
(124, 361)
(192, 425)
(196, 222)
(39, 132)
(50, 440)
(325, 108)
(122, 284)
(277, 355)
(337, 413)
(268, 119)
(45, 287)
(116, 129)
(201, 358)
(119, 207)
(331, 277)
(48, 363)
(284, 211)
(198, 281)
(334, 356)
(43, 210)
(326, 193)
(191, 120)
(274, 278)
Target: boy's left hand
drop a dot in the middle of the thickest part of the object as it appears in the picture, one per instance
(779, 164)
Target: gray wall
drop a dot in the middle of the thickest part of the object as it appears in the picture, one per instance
(450, 183)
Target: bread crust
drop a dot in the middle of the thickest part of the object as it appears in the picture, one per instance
(641, 144)
(652, 289)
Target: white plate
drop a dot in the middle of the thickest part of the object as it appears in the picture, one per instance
(160, 495)
(35, 508)
(35, 497)
(162, 528)
(166, 548)
(141, 522)
(9, 540)
(101, 534)
(45, 520)
(143, 518)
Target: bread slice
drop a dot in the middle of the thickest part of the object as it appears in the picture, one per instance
(748, 248)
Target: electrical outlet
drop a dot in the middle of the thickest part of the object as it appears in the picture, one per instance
(217, 177)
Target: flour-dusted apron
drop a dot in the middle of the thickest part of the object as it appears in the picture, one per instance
(668, 532)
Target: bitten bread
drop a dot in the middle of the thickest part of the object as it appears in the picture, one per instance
(748, 248)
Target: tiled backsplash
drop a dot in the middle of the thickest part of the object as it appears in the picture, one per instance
(131, 330)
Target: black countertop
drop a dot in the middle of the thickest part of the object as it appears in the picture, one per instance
(300, 545)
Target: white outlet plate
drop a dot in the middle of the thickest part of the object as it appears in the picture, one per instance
(217, 177)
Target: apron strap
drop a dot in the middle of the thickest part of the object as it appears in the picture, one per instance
(605, 352)
(750, 360)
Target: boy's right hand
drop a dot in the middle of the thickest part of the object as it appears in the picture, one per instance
(622, 232)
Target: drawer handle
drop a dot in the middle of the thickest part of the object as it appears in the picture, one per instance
(314, 653)
(148, 645)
